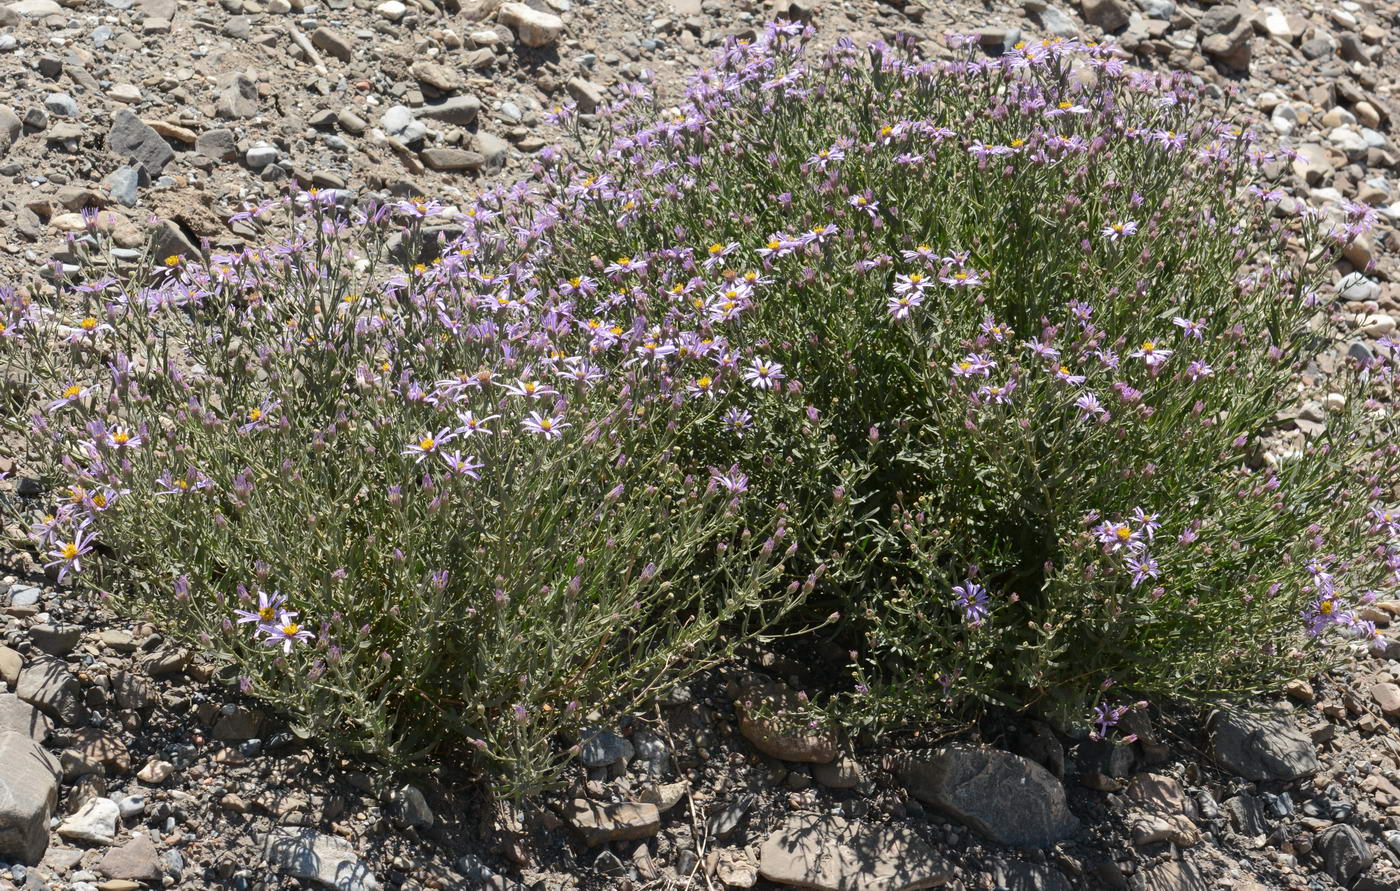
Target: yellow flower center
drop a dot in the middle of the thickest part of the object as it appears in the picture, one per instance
(255, 415)
(624, 261)
(1123, 533)
(774, 245)
(99, 500)
(72, 392)
(267, 614)
(88, 323)
(291, 628)
(427, 443)
(1326, 607)
(172, 261)
(546, 424)
(1066, 104)
(70, 551)
(715, 249)
(1148, 346)
(703, 382)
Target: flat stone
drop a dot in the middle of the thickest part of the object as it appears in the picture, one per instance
(20, 717)
(137, 859)
(459, 110)
(155, 772)
(827, 852)
(1387, 696)
(35, 9)
(601, 822)
(843, 773)
(770, 717)
(1260, 746)
(324, 859)
(1010, 799)
(533, 27)
(451, 159)
(219, 144)
(95, 821)
(132, 138)
(56, 640)
(599, 747)
(28, 796)
(48, 685)
(436, 76)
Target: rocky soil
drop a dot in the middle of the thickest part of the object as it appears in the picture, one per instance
(127, 763)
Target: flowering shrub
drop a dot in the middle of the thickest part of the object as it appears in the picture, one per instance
(983, 355)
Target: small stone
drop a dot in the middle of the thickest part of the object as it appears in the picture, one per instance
(126, 94)
(96, 822)
(587, 94)
(10, 664)
(534, 28)
(665, 796)
(410, 808)
(261, 155)
(436, 76)
(1109, 15)
(601, 748)
(238, 99)
(604, 822)
(1300, 690)
(21, 717)
(1387, 696)
(459, 110)
(137, 859)
(61, 104)
(124, 185)
(333, 43)
(392, 10)
(218, 144)
(451, 159)
(132, 138)
(155, 772)
(843, 773)
(324, 859)
(131, 806)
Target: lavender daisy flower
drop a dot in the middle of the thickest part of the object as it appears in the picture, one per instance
(972, 600)
(762, 374)
(460, 466)
(550, 427)
(68, 555)
(428, 444)
(1115, 231)
(269, 606)
(1150, 353)
(737, 420)
(284, 631)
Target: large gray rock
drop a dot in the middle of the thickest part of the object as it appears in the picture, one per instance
(827, 852)
(1009, 799)
(29, 778)
(324, 859)
(1260, 746)
(238, 99)
(21, 717)
(459, 110)
(1344, 852)
(48, 685)
(533, 27)
(131, 138)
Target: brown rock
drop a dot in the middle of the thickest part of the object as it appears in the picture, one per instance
(774, 719)
(599, 822)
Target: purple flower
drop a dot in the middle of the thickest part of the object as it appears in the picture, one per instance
(68, 555)
(1115, 231)
(972, 600)
(548, 426)
(762, 374)
(428, 444)
(269, 607)
(284, 631)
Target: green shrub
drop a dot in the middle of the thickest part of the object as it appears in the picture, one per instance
(984, 355)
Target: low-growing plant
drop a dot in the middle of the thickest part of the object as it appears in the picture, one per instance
(985, 355)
